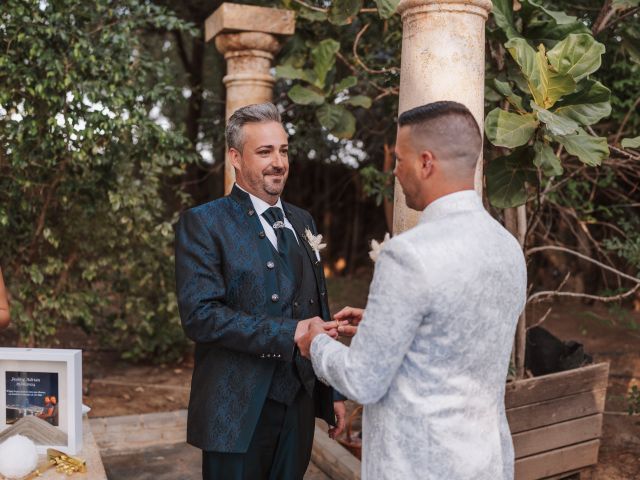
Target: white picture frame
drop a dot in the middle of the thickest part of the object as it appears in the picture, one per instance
(32, 365)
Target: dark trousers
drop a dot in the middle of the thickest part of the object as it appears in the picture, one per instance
(280, 448)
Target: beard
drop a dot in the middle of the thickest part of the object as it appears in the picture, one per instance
(271, 180)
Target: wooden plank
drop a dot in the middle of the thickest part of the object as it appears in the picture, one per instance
(547, 387)
(331, 457)
(555, 411)
(557, 436)
(555, 462)
(570, 382)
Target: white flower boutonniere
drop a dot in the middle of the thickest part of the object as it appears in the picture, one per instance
(377, 247)
(315, 241)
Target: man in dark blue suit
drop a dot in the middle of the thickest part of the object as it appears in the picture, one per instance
(249, 283)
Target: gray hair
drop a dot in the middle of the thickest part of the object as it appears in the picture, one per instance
(256, 113)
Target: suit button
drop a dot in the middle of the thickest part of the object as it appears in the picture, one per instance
(270, 264)
(262, 234)
(296, 304)
(311, 301)
(275, 297)
(323, 293)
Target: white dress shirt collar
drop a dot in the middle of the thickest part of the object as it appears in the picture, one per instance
(454, 202)
(260, 205)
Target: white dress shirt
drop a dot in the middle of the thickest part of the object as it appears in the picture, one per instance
(260, 207)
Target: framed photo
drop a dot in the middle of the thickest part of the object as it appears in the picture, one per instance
(41, 397)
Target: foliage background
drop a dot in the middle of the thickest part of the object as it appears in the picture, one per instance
(111, 122)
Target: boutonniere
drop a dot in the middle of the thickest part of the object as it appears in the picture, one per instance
(314, 241)
(376, 247)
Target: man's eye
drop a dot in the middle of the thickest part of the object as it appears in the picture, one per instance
(284, 152)
(263, 152)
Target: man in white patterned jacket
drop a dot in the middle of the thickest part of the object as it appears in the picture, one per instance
(430, 358)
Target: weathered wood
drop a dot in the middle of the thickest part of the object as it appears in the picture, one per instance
(538, 389)
(558, 461)
(557, 436)
(556, 410)
(331, 457)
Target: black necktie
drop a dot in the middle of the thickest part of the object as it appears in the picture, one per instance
(288, 247)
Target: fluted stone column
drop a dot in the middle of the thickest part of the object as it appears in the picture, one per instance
(442, 59)
(248, 37)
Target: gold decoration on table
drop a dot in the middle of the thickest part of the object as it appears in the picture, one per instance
(62, 462)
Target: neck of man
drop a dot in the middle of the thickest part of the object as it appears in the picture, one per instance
(261, 194)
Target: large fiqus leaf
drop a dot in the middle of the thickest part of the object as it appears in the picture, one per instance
(506, 129)
(359, 101)
(293, 73)
(545, 84)
(546, 160)
(505, 89)
(590, 150)
(507, 179)
(577, 55)
(337, 119)
(556, 124)
(305, 96)
(586, 106)
(559, 17)
(386, 8)
(503, 15)
(324, 57)
(342, 12)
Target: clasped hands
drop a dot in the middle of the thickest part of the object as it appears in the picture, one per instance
(345, 323)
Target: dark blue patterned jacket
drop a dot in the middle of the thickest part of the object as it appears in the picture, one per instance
(226, 302)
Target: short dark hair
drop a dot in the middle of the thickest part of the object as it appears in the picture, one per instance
(450, 128)
(433, 111)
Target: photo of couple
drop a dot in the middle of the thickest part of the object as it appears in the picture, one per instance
(430, 351)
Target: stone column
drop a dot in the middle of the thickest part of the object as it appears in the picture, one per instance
(442, 59)
(247, 36)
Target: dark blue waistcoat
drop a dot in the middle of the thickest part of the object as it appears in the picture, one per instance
(231, 306)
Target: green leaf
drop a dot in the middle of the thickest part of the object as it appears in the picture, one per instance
(546, 160)
(545, 85)
(345, 83)
(631, 142)
(577, 55)
(588, 105)
(313, 15)
(293, 73)
(506, 129)
(589, 149)
(359, 101)
(560, 18)
(507, 179)
(324, 57)
(505, 89)
(551, 85)
(556, 124)
(337, 119)
(503, 15)
(386, 8)
(305, 96)
(550, 32)
(343, 11)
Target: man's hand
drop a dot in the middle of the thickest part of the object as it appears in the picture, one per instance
(348, 319)
(341, 414)
(316, 326)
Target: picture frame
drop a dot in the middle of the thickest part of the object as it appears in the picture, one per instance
(41, 396)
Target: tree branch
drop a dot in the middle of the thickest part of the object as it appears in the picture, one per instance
(359, 60)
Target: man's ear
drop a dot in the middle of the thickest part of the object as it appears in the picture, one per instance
(426, 164)
(234, 157)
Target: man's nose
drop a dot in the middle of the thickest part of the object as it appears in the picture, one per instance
(278, 160)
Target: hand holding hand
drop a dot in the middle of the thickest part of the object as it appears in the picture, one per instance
(348, 320)
(315, 326)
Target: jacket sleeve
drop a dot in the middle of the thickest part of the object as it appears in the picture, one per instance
(205, 315)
